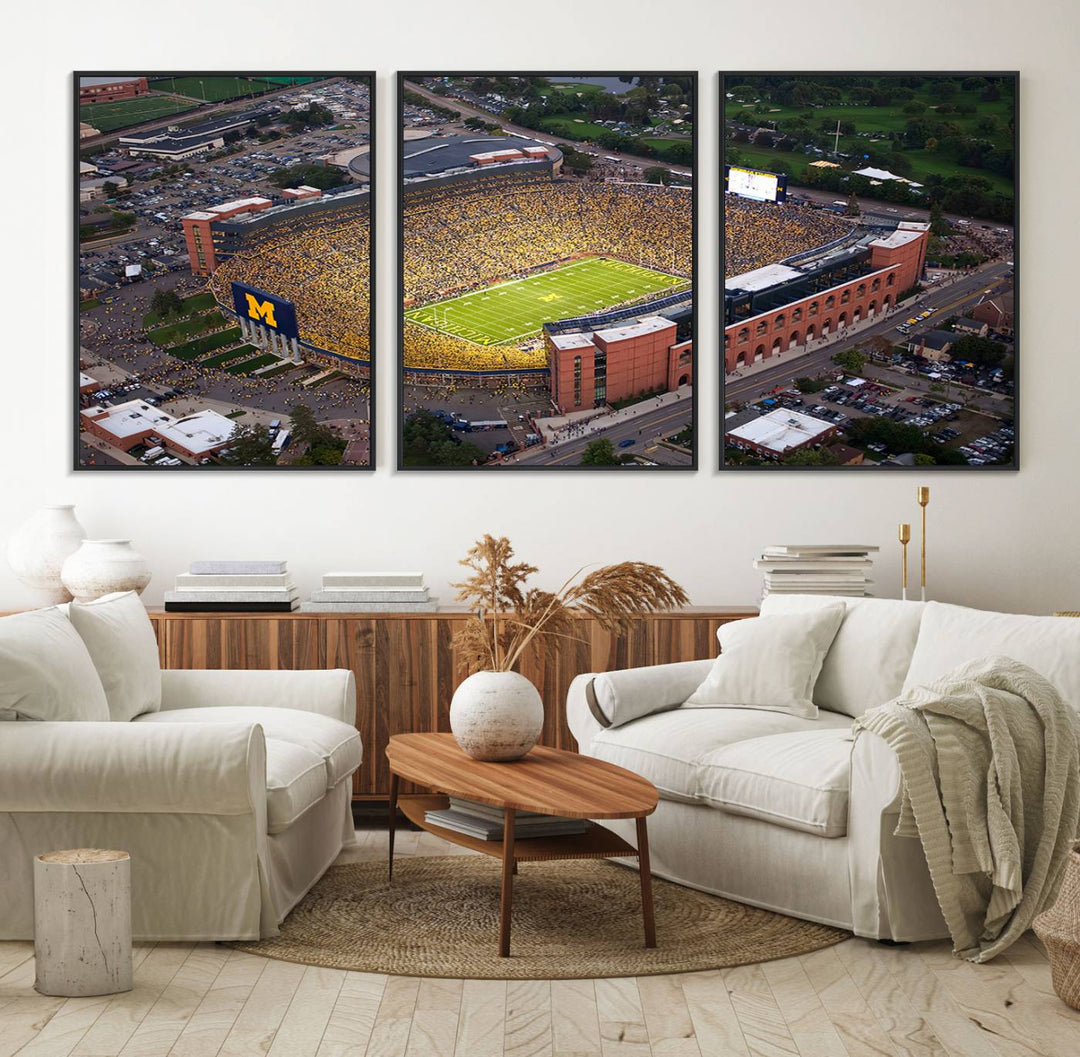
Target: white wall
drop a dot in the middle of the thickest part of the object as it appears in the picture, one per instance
(996, 540)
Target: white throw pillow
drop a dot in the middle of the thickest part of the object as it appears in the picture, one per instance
(121, 641)
(869, 657)
(770, 663)
(45, 670)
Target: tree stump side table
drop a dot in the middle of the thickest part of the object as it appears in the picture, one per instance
(82, 922)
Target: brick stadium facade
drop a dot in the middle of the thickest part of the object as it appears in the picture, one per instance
(100, 90)
(200, 234)
(895, 265)
(591, 368)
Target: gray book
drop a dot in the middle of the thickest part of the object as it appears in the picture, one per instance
(245, 581)
(362, 594)
(229, 595)
(370, 607)
(246, 568)
(347, 579)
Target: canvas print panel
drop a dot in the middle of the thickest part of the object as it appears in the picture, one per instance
(869, 270)
(224, 270)
(547, 260)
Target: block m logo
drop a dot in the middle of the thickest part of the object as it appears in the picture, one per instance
(261, 310)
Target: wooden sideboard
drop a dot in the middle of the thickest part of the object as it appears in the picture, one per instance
(406, 666)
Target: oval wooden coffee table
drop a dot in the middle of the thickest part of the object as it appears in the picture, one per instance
(548, 781)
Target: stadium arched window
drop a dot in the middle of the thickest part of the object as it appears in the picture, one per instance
(872, 307)
(830, 301)
(794, 339)
(760, 329)
(813, 309)
(861, 291)
(796, 315)
(780, 320)
(891, 279)
(845, 297)
(744, 335)
(875, 285)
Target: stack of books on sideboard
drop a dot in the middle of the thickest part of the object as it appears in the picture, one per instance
(234, 587)
(817, 569)
(485, 822)
(371, 593)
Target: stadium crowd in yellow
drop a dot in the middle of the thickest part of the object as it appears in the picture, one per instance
(322, 264)
(460, 237)
(760, 233)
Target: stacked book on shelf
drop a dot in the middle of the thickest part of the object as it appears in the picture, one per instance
(234, 587)
(371, 593)
(486, 822)
(817, 569)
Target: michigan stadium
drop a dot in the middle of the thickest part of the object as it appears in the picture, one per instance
(296, 274)
(501, 255)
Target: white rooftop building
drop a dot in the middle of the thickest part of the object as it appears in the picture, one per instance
(130, 423)
(780, 432)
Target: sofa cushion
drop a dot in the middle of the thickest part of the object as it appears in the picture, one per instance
(622, 696)
(770, 662)
(121, 642)
(799, 780)
(953, 635)
(45, 670)
(669, 748)
(295, 780)
(336, 743)
(869, 658)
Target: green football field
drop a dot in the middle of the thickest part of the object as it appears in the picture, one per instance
(518, 309)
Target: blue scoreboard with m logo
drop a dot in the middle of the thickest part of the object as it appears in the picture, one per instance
(257, 306)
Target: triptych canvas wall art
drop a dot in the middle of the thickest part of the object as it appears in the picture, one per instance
(224, 271)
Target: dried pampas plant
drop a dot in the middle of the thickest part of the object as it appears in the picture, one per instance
(507, 615)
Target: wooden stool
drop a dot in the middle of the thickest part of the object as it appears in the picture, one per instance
(82, 922)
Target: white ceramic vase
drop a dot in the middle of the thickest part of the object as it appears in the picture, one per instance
(100, 567)
(37, 551)
(496, 715)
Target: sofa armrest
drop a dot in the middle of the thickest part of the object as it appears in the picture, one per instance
(610, 699)
(330, 692)
(187, 768)
(891, 893)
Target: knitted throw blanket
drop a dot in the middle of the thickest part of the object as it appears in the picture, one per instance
(990, 761)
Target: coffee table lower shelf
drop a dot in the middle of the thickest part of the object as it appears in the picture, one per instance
(596, 842)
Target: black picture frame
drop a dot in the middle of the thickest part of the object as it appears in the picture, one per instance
(1014, 465)
(406, 75)
(372, 79)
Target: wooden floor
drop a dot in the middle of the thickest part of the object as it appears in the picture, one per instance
(856, 999)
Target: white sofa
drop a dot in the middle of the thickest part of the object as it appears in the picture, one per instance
(232, 797)
(794, 814)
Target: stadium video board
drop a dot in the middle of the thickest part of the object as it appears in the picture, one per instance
(870, 315)
(754, 183)
(242, 336)
(547, 270)
(266, 310)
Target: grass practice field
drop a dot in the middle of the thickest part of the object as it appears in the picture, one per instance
(107, 117)
(518, 309)
(214, 89)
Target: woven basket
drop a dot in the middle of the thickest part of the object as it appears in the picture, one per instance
(1059, 929)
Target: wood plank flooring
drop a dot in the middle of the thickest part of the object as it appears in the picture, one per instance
(856, 999)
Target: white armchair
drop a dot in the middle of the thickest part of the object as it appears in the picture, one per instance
(232, 799)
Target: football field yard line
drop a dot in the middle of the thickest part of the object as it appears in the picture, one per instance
(515, 309)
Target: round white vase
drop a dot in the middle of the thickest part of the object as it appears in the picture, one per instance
(100, 567)
(496, 715)
(37, 551)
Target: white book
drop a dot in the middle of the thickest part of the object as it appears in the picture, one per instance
(246, 581)
(838, 549)
(227, 567)
(370, 607)
(224, 594)
(347, 579)
(811, 567)
(364, 594)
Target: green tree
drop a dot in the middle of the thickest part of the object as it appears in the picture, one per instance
(428, 441)
(657, 174)
(165, 303)
(810, 457)
(851, 360)
(982, 351)
(600, 453)
(251, 446)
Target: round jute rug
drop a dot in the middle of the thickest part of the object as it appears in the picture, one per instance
(576, 918)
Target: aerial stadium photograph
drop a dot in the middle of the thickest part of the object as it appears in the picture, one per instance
(869, 234)
(547, 266)
(223, 273)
